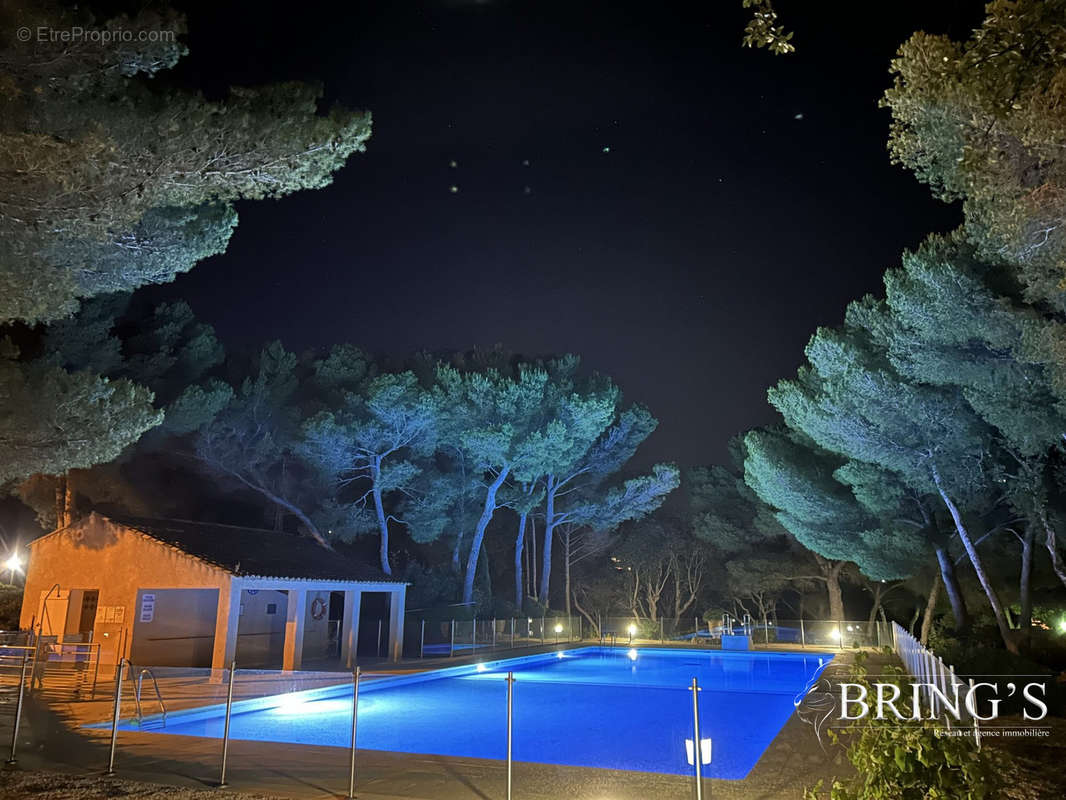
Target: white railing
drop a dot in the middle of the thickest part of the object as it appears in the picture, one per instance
(931, 673)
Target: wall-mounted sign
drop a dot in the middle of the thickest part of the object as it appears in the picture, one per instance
(147, 607)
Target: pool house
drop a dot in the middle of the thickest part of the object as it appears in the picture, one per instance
(179, 593)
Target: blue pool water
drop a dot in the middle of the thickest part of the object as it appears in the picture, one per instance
(592, 707)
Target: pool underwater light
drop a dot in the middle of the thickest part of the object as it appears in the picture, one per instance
(481, 667)
(632, 655)
(705, 751)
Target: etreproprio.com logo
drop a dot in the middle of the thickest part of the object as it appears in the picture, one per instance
(77, 34)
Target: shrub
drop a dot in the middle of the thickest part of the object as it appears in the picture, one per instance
(974, 657)
(10, 607)
(909, 760)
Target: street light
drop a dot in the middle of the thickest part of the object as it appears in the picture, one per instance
(632, 632)
(13, 565)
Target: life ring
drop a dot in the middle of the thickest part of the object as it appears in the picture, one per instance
(318, 608)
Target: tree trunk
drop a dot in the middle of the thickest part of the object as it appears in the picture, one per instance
(383, 528)
(549, 530)
(1025, 621)
(479, 534)
(533, 558)
(593, 621)
(519, 550)
(566, 553)
(836, 596)
(70, 512)
(951, 589)
(930, 609)
(978, 566)
(1051, 543)
(878, 589)
(456, 552)
(61, 502)
(292, 508)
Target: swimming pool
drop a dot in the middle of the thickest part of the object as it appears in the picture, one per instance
(590, 707)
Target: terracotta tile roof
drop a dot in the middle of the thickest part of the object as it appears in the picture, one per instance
(256, 552)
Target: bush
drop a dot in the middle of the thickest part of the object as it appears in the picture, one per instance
(973, 656)
(909, 760)
(10, 607)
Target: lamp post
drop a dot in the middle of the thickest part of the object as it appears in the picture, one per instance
(13, 565)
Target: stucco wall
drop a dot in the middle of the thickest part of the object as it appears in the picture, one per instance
(261, 636)
(180, 631)
(98, 554)
(316, 631)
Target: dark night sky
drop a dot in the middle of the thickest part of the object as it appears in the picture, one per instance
(691, 261)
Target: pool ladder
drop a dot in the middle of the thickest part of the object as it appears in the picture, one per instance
(158, 697)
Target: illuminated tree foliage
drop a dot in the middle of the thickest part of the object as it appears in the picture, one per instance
(52, 420)
(109, 180)
(797, 479)
(505, 431)
(944, 323)
(984, 121)
(578, 492)
(374, 440)
(851, 401)
(763, 30)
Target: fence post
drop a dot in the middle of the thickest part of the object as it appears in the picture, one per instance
(510, 728)
(115, 715)
(697, 756)
(494, 633)
(930, 674)
(225, 728)
(355, 720)
(451, 646)
(473, 636)
(18, 707)
(422, 640)
(803, 635)
(542, 630)
(512, 633)
(96, 673)
(661, 638)
(379, 638)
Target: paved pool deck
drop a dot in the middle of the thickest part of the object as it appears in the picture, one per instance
(53, 739)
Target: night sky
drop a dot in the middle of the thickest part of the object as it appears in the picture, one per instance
(629, 184)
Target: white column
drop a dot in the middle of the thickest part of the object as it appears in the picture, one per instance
(227, 619)
(296, 613)
(396, 615)
(350, 627)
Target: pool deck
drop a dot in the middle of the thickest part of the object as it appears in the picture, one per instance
(52, 739)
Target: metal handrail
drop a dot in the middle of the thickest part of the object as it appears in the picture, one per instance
(158, 695)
